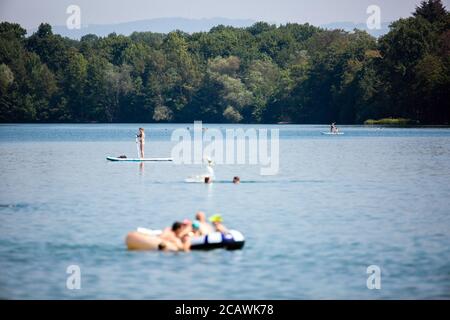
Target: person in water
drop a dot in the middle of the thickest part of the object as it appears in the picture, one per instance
(204, 227)
(236, 180)
(208, 180)
(217, 220)
(141, 140)
(188, 230)
(196, 228)
(176, 236)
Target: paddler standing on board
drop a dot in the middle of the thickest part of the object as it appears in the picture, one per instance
(333, 128)
(140, 140)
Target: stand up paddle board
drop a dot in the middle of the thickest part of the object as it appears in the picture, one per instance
(138, 159)
(332, 133)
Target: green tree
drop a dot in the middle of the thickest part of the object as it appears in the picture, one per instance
(6, 78)
(74, 81)
(50, 48)
(181, 76)
(263, 73)
(233, 96)
(262, 80)
(431, 10)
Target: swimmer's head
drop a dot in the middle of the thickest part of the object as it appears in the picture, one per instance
(236, 179)
(217, 218)
(176, 226)
(200, 216)
(209, 161)
(187, 225)
(196, 225)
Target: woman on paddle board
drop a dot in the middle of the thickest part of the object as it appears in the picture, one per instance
(140, 137)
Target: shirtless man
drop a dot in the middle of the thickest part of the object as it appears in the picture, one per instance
(177, 236)
(204, 228)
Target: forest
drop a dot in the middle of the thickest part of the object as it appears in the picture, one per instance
(292, 73)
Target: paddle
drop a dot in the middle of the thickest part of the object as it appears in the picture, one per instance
(137, 147)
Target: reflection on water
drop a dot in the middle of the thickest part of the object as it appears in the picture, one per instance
(338, 205)
(13, 205)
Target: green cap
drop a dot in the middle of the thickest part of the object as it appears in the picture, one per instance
(216, 218)
(196, 225)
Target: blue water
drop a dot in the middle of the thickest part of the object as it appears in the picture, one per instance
(338, 204)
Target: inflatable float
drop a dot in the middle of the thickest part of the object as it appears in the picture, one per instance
(147, 239)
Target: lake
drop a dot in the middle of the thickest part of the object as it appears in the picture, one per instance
(374, 196)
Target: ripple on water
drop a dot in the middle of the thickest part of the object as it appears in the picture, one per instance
(335, 207)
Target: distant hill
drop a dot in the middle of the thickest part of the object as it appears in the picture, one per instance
(161, 25)
(349, 26)
(166, 25)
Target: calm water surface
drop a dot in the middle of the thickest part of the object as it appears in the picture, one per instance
(337, 205)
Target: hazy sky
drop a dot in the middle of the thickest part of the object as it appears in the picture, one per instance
(29, 13)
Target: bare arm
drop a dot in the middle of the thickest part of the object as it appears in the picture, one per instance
(221, 228)
(187, 244)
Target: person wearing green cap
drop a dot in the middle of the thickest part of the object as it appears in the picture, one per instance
(196, 228)
(217, 220)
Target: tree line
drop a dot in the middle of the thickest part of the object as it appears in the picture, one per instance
(264, 73)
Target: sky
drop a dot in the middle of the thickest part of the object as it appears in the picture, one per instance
(30, 13)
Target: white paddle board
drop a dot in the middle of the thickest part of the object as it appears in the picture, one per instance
(333, 133)
(138, 159)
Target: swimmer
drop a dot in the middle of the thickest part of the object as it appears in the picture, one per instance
(208, 180)
(187, 229)
(196, 228)
(206, 177)
(236, 180)
(176, 236)
(217, 223)
(204, 227)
